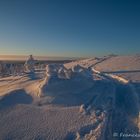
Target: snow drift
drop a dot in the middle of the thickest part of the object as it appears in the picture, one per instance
(65, 83)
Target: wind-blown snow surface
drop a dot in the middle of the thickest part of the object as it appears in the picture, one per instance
(125, 66)
(81, 100)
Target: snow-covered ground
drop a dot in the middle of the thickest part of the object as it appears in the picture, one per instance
(125, 66)
(87, 99)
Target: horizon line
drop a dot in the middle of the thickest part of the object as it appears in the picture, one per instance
(40, 57)
(37, 57)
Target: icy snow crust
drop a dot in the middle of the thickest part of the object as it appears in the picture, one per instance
(75, 101)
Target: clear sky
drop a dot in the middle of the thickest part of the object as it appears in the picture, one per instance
(69, 28)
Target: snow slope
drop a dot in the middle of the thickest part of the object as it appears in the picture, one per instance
(125, 66)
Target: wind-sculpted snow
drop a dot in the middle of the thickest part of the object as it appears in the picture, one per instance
(124, 105)
(74, 101)
(35, 123)
(62, 81)
(127, 67)
(14, 98)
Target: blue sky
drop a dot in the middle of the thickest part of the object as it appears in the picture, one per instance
(69, 28)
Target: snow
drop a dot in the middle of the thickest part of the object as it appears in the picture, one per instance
(127, 67)
(80, 100)
(29, 64)
(30, 122)
(59, 80)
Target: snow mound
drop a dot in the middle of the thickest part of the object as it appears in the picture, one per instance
(62, 81)
(57, 70)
